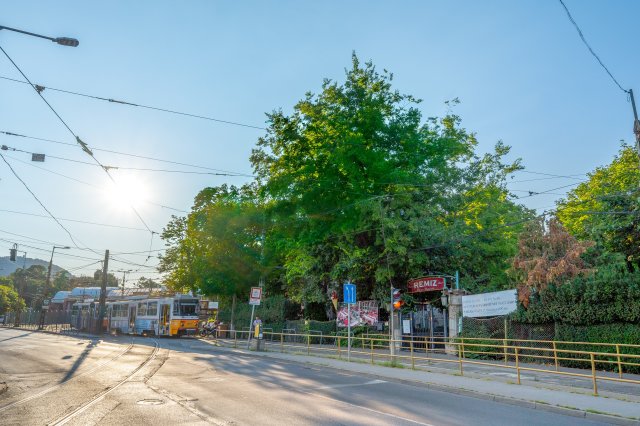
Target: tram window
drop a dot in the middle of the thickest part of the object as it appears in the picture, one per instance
(142, 309)
(120, 311)
(152, 309)
(187, 309)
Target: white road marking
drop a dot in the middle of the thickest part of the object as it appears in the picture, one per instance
(372, 382)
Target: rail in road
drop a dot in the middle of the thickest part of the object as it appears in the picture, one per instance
(70, 380)
(98, 397)
(78, 393)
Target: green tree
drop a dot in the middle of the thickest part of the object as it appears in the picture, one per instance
(605, 208)
(217, 248)
(356, 160)
(147, 283)
(10, 301)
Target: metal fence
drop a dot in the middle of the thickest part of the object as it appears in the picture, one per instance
(517, 355)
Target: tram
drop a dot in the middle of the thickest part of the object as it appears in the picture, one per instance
(159, 316)
(83, 315)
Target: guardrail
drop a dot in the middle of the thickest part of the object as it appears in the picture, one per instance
(514, 355)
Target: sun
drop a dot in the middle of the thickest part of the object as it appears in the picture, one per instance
(127, 190)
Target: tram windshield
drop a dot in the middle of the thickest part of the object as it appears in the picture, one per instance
(185, 307)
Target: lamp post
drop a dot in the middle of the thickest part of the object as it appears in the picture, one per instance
(47, 285)
(63, 41)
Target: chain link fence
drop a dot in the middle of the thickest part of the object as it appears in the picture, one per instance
(495, 331)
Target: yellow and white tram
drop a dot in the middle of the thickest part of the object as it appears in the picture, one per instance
(160, 316)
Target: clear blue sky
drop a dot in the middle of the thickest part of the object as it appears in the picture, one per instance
(519, 68)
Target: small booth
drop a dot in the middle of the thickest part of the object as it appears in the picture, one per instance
(426, 324)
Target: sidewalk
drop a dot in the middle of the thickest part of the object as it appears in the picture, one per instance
(610, 407)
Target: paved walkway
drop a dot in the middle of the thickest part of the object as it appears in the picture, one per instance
(559, 396)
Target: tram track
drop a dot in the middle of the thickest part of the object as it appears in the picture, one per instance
(100, 396)
(72, 379)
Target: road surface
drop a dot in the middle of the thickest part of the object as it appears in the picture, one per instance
(54, 379)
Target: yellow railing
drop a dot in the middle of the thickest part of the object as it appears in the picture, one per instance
(516, 355)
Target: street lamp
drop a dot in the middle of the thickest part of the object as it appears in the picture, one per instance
(64, 41)
(45, 292)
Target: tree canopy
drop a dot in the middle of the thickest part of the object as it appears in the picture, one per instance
(352, 185)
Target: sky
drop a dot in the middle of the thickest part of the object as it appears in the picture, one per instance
(520, 70)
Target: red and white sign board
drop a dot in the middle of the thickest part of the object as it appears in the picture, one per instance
(425, 284)
(255, 295)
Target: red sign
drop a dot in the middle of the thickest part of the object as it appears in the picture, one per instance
(425, 284)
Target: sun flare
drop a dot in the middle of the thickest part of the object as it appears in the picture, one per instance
(127, 191)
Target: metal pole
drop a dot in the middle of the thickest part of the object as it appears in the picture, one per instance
(636, 122)
(253, 309)
(348, 331)
(384, 241)
(103, 293)
(46, 288)
(391, 315)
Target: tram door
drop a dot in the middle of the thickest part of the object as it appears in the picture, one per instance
(132, 318)
(165, 319)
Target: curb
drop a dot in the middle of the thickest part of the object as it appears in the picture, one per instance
(572, 412)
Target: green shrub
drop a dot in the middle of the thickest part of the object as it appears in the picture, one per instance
(620, 333)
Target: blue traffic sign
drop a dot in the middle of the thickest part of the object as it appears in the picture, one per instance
(349, 293)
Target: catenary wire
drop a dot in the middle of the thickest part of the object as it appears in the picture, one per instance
(143, 157)
(170, 111)
(584, 40)
(39, 202)
(80, 142)
(89, 184)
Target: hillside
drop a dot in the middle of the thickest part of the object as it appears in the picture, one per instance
(7, 267)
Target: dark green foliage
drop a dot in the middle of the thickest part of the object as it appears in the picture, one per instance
(315, 311)
(610, 295)
(620, 333)
(271, 310)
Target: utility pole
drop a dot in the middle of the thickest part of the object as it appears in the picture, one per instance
(392, 348)
(103, 292)
(636, 123)
(47, 285)
(124, 276)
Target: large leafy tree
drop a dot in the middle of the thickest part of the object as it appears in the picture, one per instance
(359, 187)
(606, 208)
(218, 247)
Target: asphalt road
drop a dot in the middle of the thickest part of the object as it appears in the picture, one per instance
(52, 379)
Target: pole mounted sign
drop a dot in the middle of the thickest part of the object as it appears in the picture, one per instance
(255, 296)
(420, 285)
(349, 293)
(349, 299)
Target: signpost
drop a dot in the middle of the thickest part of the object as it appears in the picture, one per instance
(349, 299)
(254, 300)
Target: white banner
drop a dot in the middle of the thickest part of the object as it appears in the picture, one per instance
(490, 304)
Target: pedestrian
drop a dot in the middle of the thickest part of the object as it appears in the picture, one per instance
(257, 322)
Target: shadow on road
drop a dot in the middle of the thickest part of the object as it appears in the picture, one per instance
(16, 337)
(85, 353)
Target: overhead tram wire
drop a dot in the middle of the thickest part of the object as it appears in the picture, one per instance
(584, 40)
(89, 184)
(73, 220)
(78, 140)
(38, 200)
(154, 108)
(231, 174)
(143, 157)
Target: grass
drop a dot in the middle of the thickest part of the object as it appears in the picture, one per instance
(392, 364)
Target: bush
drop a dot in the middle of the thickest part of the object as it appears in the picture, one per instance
(607, 297)
(621, 333)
